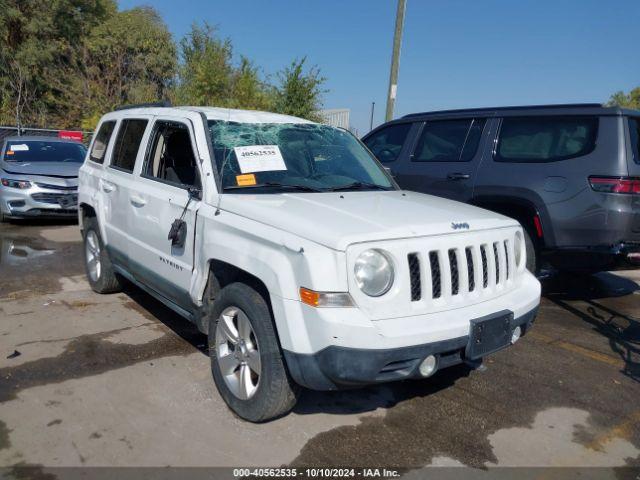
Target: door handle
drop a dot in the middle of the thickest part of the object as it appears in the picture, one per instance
(458, 176)
(137, 201)
(107, 187)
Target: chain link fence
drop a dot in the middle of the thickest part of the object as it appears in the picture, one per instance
(10, 131)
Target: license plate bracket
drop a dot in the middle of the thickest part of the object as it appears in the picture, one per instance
(489, 334)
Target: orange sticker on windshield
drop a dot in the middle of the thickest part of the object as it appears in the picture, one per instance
(244, 180)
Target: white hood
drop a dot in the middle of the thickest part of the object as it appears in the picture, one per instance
(339, 219)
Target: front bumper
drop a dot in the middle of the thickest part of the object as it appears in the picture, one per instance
(37, 201)
(338, 367)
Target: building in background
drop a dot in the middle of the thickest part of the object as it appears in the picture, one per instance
(336, 117)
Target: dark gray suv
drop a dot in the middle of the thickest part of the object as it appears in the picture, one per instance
(570, 174)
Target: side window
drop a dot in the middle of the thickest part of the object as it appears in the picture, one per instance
(545, 139)
(634, 130)
(449, 140)
(386, 143)
(170, 156)
(101, 142)
(128, 143)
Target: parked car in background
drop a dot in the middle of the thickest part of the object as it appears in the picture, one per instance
(39, 177)
(570, 174)
(293, 249)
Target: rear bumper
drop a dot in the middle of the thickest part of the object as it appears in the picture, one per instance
(623, 255)
(338, 367)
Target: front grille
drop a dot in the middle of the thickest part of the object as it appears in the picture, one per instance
(51, 198)
(414, 277)
(453, 265)
(491, 258)
(64, 188)
(436, 284)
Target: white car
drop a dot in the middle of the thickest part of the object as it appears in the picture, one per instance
(294, 250)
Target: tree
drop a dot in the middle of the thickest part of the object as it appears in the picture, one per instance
(299, 93)
(208, 75)
(36, 39)
(630, 100)
(129, 58)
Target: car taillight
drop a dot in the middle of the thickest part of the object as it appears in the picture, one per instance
(615, 185)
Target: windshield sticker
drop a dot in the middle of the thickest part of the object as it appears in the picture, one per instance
(21, 147)
(244, 180)
(259, 158)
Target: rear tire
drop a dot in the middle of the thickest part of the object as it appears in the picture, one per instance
(246, 359)
(100, 273)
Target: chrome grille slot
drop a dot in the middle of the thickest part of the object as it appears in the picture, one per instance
(436, 284)
(497, 260)
(51, 198)
(506, 258)
(414, 276)
(485, 266)
(48, 186)
(470, 269)
(453, 265)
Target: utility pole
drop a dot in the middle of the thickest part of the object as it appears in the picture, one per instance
(373, 109)
(395, 60)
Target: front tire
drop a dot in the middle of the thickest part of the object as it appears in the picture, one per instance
(100, 273)
(246, 360)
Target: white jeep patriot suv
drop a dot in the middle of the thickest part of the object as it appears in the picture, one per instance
(294, 250)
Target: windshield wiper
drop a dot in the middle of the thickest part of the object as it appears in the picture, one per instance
(292, 186)
(359, 186)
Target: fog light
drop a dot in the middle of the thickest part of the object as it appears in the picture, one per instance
(515, 336)
(428, 366)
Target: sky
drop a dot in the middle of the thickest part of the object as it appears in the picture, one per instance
(455, 53)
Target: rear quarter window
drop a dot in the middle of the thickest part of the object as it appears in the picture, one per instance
(100, 144)
(634, 131)
(545, 139)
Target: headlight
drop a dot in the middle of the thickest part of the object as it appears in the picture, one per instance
(518, 248)
(21, 184)
(374, 272)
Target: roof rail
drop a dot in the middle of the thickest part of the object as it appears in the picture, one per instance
(163, 103)
(517, 107)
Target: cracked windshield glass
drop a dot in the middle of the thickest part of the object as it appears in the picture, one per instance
(276, 157)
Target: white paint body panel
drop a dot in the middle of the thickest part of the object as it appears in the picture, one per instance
(311, 240)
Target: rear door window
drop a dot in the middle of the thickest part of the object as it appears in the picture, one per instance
(128, 143)
(100, 144)
(449, 140)
(634, 130)
(545, 139)
(387, 142)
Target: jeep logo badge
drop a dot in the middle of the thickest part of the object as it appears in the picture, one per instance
(459, 226)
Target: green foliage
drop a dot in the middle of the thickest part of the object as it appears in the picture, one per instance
(626, 100)
(299, 93)
(64, 63)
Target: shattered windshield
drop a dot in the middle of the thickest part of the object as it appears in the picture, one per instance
(275, 157)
